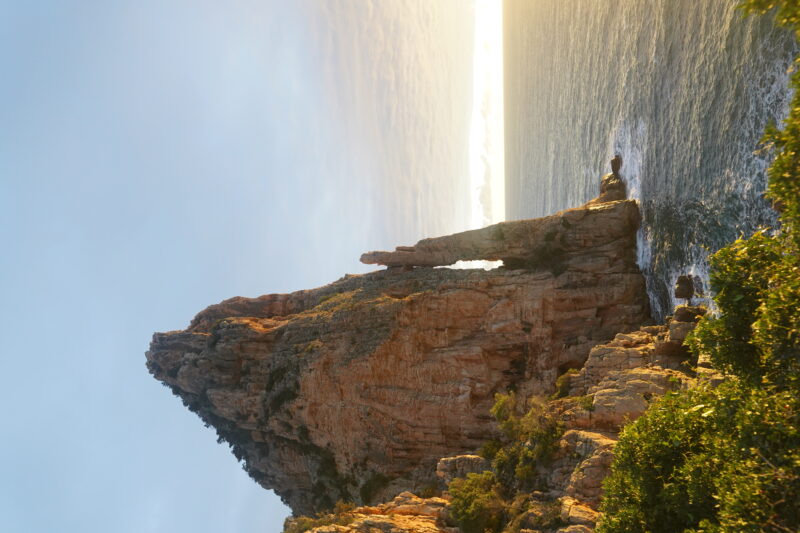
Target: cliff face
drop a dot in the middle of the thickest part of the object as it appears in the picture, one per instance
(354, 390)
(618, 381)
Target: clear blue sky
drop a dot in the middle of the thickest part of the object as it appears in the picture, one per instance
(159, 156)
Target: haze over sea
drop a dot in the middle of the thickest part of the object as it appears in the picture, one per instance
(682, 89)
(158, 157)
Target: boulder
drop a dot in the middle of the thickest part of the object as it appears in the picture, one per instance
(450, 468)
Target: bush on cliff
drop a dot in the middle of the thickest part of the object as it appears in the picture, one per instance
(728, 459)
(653, 487)
(477, 503)
(725, 459)
(493, 500)
(528, 442)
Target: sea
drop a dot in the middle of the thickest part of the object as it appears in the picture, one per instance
(681, 89)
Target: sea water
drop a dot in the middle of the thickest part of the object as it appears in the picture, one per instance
(681, 89)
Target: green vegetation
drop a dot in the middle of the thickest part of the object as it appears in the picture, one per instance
(528, 442)
(586, 402)
(498, 499)
(727, 459)
(563, 383)
(478, 503)
(724, 459)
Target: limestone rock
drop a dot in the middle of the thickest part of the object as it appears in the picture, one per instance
(575, 529)
(353, 391)
(409, 504)
(450, 468)
(406, 513)
(625, 375)
(624, 395)
(596, 453)
(540, 515)
(574, 239)
(679, 330)
(684, 287)
(615, 386)
(574, 513)
(612, 189)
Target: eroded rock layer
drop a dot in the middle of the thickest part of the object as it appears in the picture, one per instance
(582, 239)
(354, 390)
(615, 386)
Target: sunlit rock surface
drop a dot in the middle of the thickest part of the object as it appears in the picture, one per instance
(353, 391)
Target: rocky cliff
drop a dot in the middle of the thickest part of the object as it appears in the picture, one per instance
(353, 391)
(617, 383)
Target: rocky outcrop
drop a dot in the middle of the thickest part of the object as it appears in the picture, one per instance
(615, 386)
(406, 513)
(582, 239)
(353, 391)
(450, 468)
(612, 188)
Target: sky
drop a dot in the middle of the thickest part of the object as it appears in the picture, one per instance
(157, 157)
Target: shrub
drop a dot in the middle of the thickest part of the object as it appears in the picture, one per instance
(586, 402)
(489, 449)
(497, 499)
(758, 445)
(656, 484)
(528, 442)
(477, 504)
(563, 383)
(725, 459)
(740, 279)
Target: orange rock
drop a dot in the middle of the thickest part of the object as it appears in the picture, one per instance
(353, 391)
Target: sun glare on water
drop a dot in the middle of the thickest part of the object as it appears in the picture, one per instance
(486, 165)
(486, 143)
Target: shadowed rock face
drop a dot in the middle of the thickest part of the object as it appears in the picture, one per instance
(354, 390)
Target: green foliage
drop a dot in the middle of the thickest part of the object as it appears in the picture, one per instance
(496, 500)
(740, 278)
(758, 445)
(728, 459)
(787, 13)
(757, 335)
(563, 383)
(477, 504)
(528, 441)
(725, 459)
(430, 490)
(586, 402)
(532, 514)
(654, 484)
(547, 514)
(489, 449)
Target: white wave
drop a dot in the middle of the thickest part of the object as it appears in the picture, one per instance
(629, 140)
